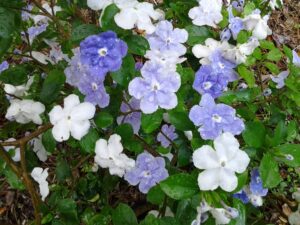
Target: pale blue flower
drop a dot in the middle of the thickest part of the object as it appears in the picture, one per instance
(166, 135)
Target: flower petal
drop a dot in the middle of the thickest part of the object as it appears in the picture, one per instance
(205, 158)
(239, 163)
(61, 131)
(208, 180)
(228, 180)
(226, 146)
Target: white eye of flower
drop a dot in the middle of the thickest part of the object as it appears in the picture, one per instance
(102, 51)
(217, 118)
(94, 86)
(207, 85)
(289, 157)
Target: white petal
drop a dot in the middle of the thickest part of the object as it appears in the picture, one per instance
(201, 51)
(79, 128)
(205, 158)
(61, 131)
(56, 114)
(239, 163)
(226, 146)
(208, 180)
(228, 180)
(44, 190)
(101, 149)
(126, 19)
(98, 4)
(83, 111)
(70, 102)
(115, 145)
(220, 215)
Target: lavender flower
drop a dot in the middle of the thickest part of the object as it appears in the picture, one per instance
(93, 89)
(26, 14)
(256, 185)
(35, 31)
(225, 35)
(213, 119)
(147, 172)
(242, 195)
(104, 51)
(167, 133)
(4, 66)
(235, 24)
(296, 58)
(131, 114)
(213, 78)
(279, 80)
(166, 39)
(238, 5)
(138, 66)
(156, 88)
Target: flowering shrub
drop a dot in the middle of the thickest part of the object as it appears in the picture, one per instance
(131, 112)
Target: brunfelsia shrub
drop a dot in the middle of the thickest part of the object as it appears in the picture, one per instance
(133, 112)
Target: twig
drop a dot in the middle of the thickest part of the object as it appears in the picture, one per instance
(147, 146)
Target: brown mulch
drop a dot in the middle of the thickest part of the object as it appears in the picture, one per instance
(285, 24)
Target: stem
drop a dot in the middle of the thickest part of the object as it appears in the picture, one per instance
(147, 146)
(6, 157)
(175, 157)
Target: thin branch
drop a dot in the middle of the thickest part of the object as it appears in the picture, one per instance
(147, 146)
(6, 157)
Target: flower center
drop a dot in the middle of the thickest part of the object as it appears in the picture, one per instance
(102, 51)
(221, 65)
(207, 85)
(223, 164)
(94, 86)
(147, 173)
(216, 118)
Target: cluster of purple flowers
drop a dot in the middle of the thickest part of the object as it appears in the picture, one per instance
(160, 81)
(98, 55)
(254, 191)
(148, 171)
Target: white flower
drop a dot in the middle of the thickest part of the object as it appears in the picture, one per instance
(240, 53)
(109, 155)
(220, 165)
(44, 19)
(25, 111)
(98, 4)
(17, 156)
(73, 118)
(203, 52)
(19, 90)
(279, 80)
(40, 175)
(168, 59)
(188, 134)
(39, 148)
(207, 13)
(133, 13)
(41, 57)
(258, 25)
(274, 4)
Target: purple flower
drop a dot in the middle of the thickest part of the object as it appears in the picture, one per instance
(166, 39)
(148, 171)
(35, 31)
(76, 70)
(26, 14)
(279, 80)
(238, 5)
(138, 65)
(296, 58)
(225, 35)
(256, 185)
(167, 133)
(4, 66)
(104, 51)
(213, 119)
(93, 89)
(242, 195)
(156, 88)
(213, 78)
(131, 114)
(236, 24)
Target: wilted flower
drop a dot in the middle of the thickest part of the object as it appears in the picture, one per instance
(72, 119)
(147, 172)
(40, 175)
(220, 165)
(39, 148)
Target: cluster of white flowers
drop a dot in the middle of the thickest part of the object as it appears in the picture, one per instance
(109, 155)
(132, 13)
(40, 176)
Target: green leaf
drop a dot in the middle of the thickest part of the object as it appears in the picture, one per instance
(4, 45)
(9, 21)
(124, 215)
(180, 186)
(137, 45)
(103, 119)
(197, 35)
(125, 131)
(150, 220)
(267, 45)
(247, 75)
(185, 212)
(82, 31)
(272, 67)
(155, 195)
(241, 219)
(52, 86)
(16, 75)
(279, 134)
(243, 37)
(67, 210)
(13, 179)
(180, 120)
(269, 171)
(274, 55)
(48, 141)
(187, 74)
(107, 19)
(151, 122)
(88, 142)
(124, 75)
(291, 154)
(254, 134)
(62, 170)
